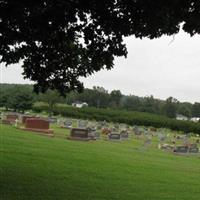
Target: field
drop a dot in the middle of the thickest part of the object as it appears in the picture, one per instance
(38, 167)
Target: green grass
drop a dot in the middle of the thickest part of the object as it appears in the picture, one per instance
(38, 167)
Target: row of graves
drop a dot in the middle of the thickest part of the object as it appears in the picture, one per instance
(85, 130)
(175, 143)
(181, 144)
(28, 123)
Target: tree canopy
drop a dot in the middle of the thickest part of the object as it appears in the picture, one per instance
(59, 41)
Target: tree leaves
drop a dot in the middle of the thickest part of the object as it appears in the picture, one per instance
(60, 41)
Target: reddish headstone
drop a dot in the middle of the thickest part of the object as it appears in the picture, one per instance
(37, 125)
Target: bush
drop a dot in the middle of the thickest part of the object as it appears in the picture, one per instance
(121, 116)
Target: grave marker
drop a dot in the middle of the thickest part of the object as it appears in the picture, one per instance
(80, 134)
(124, 135)
(38, 125)
(114, 136)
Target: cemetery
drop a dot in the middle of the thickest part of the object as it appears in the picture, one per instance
(91, 143)
(63, 136)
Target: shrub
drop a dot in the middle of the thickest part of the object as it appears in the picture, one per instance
(121, 116)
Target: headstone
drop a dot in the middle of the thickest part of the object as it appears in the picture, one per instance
(52, 120)
(116, 126)
(82, 124)
(191, 148)
(124, 135)
(67, 124)
(114, 136)
(94, 134)
(91, 128)
(80, 134)
(161, 137)
(181, 149)
(166, 147)
(137, 131)
(38, 125)
(10, 119)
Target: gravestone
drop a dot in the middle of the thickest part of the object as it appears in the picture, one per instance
(80, 134)
(52, 120)
(67, 124)
(116, 126)
(91, 128)
(181, 149)
(137, 131)
(94, 134)
(191, 148)
(99, 126)
(166, 147)
(10, 119)
(162, 137)
(38, 125)
(114, 136)
(82, 124)
(124, 135)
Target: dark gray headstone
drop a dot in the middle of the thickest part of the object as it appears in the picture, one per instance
(114, 136)
(124, 135)
(181, 149)
(94, 135)
(79, 134)
(52, 120)
(137, 131)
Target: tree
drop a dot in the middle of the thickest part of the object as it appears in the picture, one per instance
(4, 99)
(52, 97)
(196, 110)
(61, 41)
(115, 97)
(19, 99)
(185, 109)
(170, 107)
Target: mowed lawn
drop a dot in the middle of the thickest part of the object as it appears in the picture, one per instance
(38, 167)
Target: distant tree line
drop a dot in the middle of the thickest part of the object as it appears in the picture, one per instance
(21, 97)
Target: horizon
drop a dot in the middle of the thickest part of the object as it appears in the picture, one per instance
(114, 89)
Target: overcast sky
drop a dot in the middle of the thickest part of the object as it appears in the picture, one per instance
(162, 67)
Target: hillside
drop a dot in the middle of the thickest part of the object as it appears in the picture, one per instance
(38, 167)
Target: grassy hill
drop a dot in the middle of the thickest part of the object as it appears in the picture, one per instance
(38, 167)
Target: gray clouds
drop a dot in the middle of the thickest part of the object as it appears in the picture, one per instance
(159, 67)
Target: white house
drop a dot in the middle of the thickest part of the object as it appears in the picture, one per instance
(195, 119)
(181, 117)
(79, 104)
